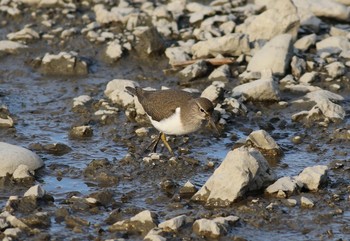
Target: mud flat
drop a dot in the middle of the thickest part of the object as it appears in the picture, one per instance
(74, 163)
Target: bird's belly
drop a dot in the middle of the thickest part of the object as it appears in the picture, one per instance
(174, 126)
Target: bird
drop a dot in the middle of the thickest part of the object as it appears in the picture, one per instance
(174, 112)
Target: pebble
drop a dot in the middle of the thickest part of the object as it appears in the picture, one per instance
(306, 202)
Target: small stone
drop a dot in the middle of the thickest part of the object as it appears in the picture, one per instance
(281, 194)
(21, 172)
(297, 139)
(81, 100)
(335, 69)
(313, 177)
(81, 131)
(143, 131)
(308, 77)
(36, 191)
(173, 224)
(291, 202)
(12, 232)
(306, 202)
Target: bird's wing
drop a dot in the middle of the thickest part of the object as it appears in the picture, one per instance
(162, 104)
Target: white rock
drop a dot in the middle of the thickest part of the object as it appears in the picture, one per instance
(265, 89)
(22, 171)
(11, 47)
(11, 156)
(291, 202)
(274, 56)
(335, 69)
(114, 50)
(221, 73)
(36, 191)
(81, 100)
(178, 54)
(313, 177)
(232, 44)
(280, 19)
(15, 222)
(324, 8)
(286, 184)
(206, 227)
(308, 77)
(213, 91)
(24, 34)
(116, 14)
(173, 224)
(306, 202)
(333, 45)
(305, 42)
(144, 216)
(195, 70)
(6, 121)
(154, 235)
(226, 221)
(243, 169)
(262, 139)
(115, 91)
(302, 88)
(12, 232)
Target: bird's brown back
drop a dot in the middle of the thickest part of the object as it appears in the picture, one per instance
(161, 104)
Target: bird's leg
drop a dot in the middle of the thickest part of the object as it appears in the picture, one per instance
(162, 135)
(155, 143)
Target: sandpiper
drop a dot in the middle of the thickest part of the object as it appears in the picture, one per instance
(174, 112)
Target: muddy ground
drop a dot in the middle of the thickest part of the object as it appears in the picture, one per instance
(41, 106)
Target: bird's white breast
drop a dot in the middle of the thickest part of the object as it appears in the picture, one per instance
(171, 125)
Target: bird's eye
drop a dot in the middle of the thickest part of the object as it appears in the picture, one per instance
(202, 110)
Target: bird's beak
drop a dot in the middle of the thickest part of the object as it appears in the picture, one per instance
(212, 123)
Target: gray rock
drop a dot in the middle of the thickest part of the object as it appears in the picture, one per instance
(12, 156)
(243, 169)
(286, 184)
(115, 91)
(304, 43)
(232, 44)
(274, 56)
(313, 177)
(174, 224)
(178, 54)
(262, 140)
(143, 222)
(324, 8)
(306, 202)
(114, 50)
(265, 89)
(63, 64)
(214, 91)
(81, 132)
(193, 71)
(36, 191)
(21, 172)
(282, 18)
(213, 228)
(335, 69)
(11, 47)
(222, 73)
(298, 66)
(308, 77)
(149, 41)
(24, 34)
(333, 45)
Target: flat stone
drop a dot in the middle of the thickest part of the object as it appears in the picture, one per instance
(262, 139)
(265, 89)
(286, 184)
(11, 47)
(275, 55)
(333, 45)
(304, 43)
(232, 44)
(11, 156)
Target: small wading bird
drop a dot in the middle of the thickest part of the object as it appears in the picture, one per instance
(174, 112)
